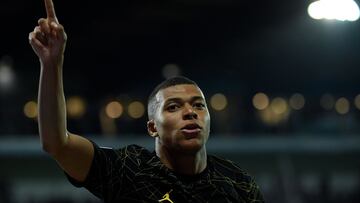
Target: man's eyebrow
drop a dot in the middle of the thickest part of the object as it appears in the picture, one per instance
(177, 99)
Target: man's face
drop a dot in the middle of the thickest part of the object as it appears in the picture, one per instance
(182, 119)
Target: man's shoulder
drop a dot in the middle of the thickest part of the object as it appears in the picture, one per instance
(134, 150)
(127, 151)
(225, 164)
(228, 168)
(128, 148)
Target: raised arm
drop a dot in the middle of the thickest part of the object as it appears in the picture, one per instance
(73, 153)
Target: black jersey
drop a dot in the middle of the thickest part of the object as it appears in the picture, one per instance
(134, 174)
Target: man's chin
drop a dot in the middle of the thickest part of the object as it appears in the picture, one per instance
(192, 146)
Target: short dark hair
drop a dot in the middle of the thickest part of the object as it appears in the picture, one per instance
(177, 80)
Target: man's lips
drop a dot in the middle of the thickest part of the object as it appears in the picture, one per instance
(191, 126)
(191, 131)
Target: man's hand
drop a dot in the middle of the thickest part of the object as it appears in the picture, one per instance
(48, 39)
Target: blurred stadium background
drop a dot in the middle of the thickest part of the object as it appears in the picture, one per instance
(283, 89)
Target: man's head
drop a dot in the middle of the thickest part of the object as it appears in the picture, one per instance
(178, 115)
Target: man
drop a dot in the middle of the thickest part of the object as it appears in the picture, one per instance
(179, 170)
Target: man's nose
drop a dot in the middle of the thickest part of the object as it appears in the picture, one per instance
(189, 113)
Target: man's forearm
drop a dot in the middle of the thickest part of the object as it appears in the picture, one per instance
(52, 108)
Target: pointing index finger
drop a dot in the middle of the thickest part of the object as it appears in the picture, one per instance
(50, 10)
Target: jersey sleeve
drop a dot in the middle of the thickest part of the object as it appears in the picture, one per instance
(106, 173)
(254, 195)
(246, 188)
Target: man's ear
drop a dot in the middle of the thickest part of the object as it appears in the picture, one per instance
(152, 128)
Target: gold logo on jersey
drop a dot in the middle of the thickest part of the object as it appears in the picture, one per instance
(166, 197)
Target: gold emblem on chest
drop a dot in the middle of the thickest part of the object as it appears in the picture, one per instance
(166, 197)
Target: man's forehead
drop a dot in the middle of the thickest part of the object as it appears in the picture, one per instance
(179, 91)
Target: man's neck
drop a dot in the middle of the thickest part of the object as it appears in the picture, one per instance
(187, 164)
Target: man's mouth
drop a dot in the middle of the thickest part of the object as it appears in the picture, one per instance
(191, 130)
(191, 126)
(197, 130)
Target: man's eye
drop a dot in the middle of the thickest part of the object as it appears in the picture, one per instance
(172, 107)
(199, 105)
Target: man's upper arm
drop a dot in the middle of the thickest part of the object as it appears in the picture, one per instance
(76, 156)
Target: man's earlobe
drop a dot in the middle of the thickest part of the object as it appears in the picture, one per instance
(152, 128)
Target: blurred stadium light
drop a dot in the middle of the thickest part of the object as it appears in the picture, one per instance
(7, 74)
(342, 10)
